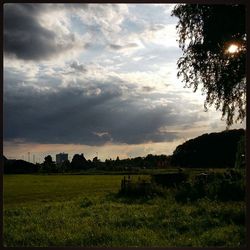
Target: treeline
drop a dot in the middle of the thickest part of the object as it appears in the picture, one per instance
(150, 161)
(79, 163)
(216, 150)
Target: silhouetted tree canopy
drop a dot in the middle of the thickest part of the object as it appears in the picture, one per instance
(205, 34)
(215, 150)
(79, 162)
(48, 165)
(48, 159)
(65, 166)
(19, 167)
(148, 162)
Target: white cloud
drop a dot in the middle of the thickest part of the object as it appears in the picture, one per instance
(106, 18)
(160, 34)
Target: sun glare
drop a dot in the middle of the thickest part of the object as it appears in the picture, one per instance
(233, 48)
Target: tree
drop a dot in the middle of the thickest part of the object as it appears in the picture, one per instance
(48, 165)
(79, 162)
(214, 150)
(65, 166)
(48, 159)
(150, 161)
(213, 41)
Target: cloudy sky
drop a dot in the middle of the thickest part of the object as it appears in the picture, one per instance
(97, 79)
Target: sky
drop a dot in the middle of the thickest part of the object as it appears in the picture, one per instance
(97, 79)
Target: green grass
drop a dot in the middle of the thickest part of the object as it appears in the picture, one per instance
(84, 210)
(31, 189)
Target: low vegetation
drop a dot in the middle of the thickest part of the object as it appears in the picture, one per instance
(88, 210)
(226, 186)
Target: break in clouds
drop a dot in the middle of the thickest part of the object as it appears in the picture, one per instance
(93, 74)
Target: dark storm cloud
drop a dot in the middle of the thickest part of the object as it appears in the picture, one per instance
(91, 115)
(68, 116)
(25, 38)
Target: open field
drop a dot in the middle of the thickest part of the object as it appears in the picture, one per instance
(84, 210)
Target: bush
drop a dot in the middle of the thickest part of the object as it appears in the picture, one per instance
(140, 188)
(131, 187)
(169, 179)
(226, 190)
(229, 186)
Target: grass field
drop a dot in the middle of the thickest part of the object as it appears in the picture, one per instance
(84, 210)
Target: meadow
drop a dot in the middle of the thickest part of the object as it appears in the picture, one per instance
(85, 210)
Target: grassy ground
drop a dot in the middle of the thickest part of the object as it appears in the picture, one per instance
(84, 210)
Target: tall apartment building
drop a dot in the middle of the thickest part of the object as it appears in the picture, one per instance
(60, 158)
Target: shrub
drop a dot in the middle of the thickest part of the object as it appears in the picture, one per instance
(140, 188)
(169, 179)
(229, 186)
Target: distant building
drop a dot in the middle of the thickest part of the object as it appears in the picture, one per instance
(60, 158)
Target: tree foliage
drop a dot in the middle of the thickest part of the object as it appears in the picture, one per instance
(215, 150)
(79, 162)
(205, 34)
(18, 167)
(48, 165)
